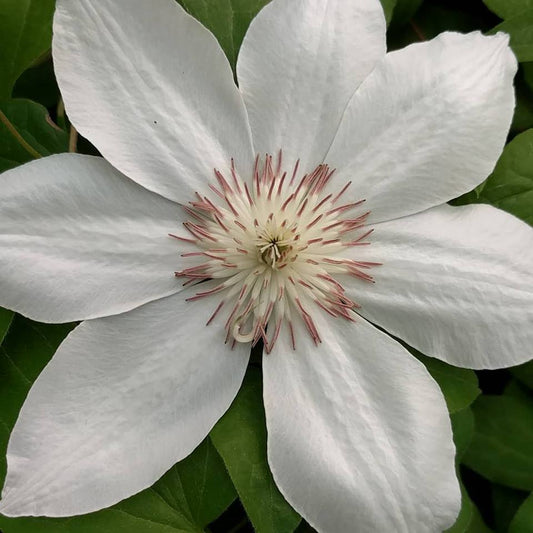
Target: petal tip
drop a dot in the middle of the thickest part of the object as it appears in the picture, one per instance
(500, 43)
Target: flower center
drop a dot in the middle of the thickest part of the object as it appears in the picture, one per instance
(277, 248)
(274, 244)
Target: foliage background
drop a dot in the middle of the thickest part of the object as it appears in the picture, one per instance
(225, 485)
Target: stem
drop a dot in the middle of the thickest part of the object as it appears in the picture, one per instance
(419, 33)
(60, 110)
(32, 151)
(73, 139)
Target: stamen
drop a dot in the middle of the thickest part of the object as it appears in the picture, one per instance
(277, 250)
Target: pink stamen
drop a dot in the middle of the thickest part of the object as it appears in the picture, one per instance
(234, 176)
(267, 255)
(219, 307)
(182, 238)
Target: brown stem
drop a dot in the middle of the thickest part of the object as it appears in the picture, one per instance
(417, 30)
(30, 149)
(73, 140)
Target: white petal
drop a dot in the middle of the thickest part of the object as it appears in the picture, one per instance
(79, 240)
(150, 87)
(359, 438)
(428, 124)
(122, 400)
(299, 63)
(456, 283)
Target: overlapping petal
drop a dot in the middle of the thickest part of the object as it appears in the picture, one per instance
(151, 88)
(358, 432)
(428, 124)
(359, 437)
(299, 63)
(456, 283)
(122, 400)
(79, 240)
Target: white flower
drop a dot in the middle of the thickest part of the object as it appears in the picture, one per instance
(358, 433)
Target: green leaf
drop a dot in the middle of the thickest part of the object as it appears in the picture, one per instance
(503, 440)
(476, 523)
(508, 8)
(388, 8)
(469, 519)
(189, 496)
(505, 503)
(527, 69)
(463, 431)
(27, 348)
(459, 385)
(196, 491)
(204, 480)
(523, 113)
(520, 29)
(6, 318)
(524, 373)
(515, 389)
(240, 438)
(228, 20)
(25, 35)
(510, 186)
(26, 132)
(523, 520)
(38, 84)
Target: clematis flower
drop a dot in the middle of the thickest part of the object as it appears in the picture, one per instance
(301, 209)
